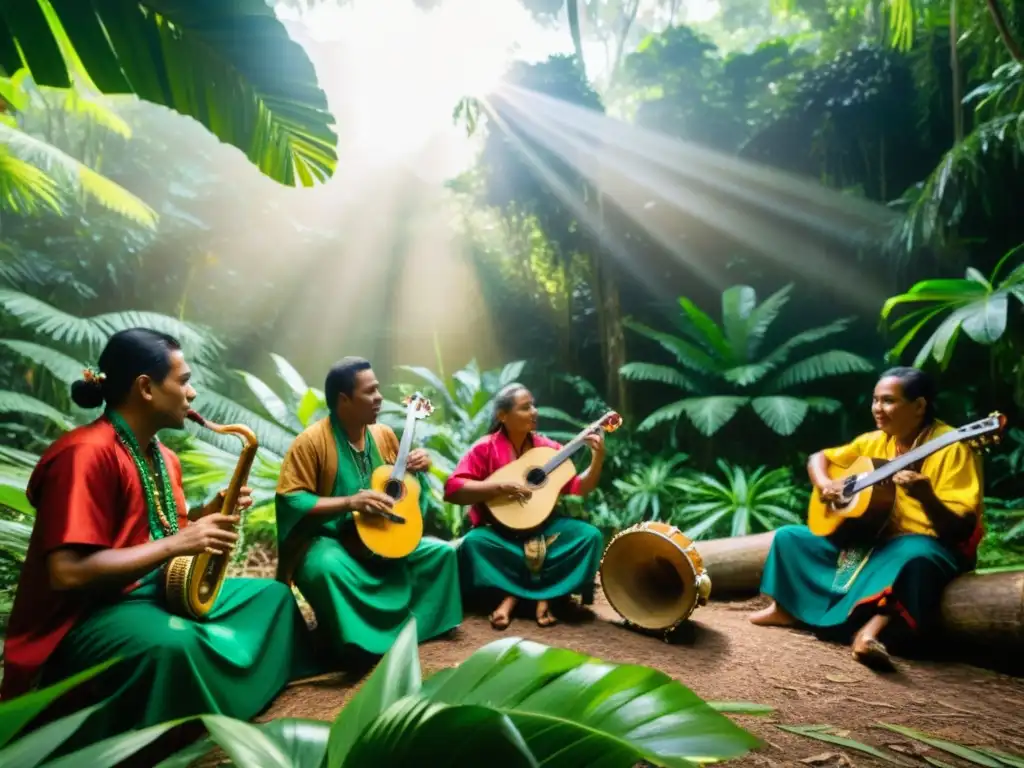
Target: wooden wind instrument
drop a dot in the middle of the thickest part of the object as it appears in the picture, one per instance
(192, 582)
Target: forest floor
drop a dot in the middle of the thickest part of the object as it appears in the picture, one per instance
(724, 658)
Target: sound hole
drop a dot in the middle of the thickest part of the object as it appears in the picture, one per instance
(536, 477)
(395, 489)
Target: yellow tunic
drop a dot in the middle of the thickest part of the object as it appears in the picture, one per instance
(955, 473)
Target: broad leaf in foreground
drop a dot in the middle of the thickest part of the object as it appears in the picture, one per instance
(396, 676)
(590, 712)
(230, 65)
(416, 732)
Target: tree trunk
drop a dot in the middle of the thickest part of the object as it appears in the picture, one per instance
(985, 610)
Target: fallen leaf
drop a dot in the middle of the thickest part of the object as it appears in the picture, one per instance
(843, 679)
(824, 757)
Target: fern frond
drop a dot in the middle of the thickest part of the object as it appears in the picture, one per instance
(686, 354)
(835, 362)
(71, 174)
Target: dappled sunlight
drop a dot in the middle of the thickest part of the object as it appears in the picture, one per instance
(675, 189)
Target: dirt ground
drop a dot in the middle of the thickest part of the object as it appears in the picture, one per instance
(722, 657)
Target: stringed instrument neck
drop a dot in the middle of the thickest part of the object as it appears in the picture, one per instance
(405, 446)
(575, 444)
(923, 451)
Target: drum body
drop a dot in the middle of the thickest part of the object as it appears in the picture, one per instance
(653, 576)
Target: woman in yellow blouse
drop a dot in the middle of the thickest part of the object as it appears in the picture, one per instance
(933, 533)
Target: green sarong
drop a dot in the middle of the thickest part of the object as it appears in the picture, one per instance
(562, 559)
(232, 663)
(836, 591)
(358, 602)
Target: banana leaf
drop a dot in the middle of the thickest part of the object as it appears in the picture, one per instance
(590, 712)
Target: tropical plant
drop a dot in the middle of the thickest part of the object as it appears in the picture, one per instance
(35, 175)
(977, 306)
(519, 702)
(722, 368)
(276, 115)
(738, 502)
(652, 487)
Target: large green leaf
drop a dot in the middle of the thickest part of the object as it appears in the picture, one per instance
(417, 732)
(590, 712)
(396, 676)
(18, 712)
(229, 65)
(32, 749)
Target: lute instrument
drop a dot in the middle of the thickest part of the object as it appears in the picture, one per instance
(192, 582)
(867, 501)
(545, 471)
(396, 533)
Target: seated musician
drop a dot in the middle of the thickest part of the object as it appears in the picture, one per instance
(361, 601)
(895, 583)
(110, 511)
(559, 560)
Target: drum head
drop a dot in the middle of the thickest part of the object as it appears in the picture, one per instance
(648, 579)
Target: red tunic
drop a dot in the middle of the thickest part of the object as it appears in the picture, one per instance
(86, 491)
(488, 455)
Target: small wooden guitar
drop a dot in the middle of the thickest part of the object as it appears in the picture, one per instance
(544, 471)
(396, 533)
(866, 504)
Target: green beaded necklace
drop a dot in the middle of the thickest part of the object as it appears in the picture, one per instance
(160, 525)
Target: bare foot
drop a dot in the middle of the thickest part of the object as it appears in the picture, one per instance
(502, 615)
(544, 615)
(772, 616)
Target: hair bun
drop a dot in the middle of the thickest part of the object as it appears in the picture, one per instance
(87, 393)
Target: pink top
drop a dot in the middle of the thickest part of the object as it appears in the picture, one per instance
(488, 455)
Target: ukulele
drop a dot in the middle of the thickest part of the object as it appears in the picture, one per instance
(866, 503)
(394, 534)
(545, 472)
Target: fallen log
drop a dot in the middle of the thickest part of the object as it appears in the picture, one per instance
(979, 609)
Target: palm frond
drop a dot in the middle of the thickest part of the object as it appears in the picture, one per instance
(710, 414)
(781, 353)
(69, 173)
(961, 180)
(206, 61)
(685, 353)
(63, 367)
(92, 332)
(25, 189)
(662, 374)
(26, 405)
(835, 362)
(780, 413)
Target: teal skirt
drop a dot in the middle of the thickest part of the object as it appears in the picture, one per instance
(836, 591)
(561, 560)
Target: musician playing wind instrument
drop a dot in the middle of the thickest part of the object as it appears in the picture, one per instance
(560, 559)
(891, 586)
(361, 601)
(110, 511)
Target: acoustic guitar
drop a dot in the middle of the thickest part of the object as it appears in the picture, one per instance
(394, 534)
(864, 509)
(544, 471)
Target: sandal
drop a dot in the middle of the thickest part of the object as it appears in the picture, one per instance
(499, 621)
(875, 657)
(546, 619)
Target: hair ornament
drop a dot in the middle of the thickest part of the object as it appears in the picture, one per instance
(94, 375)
